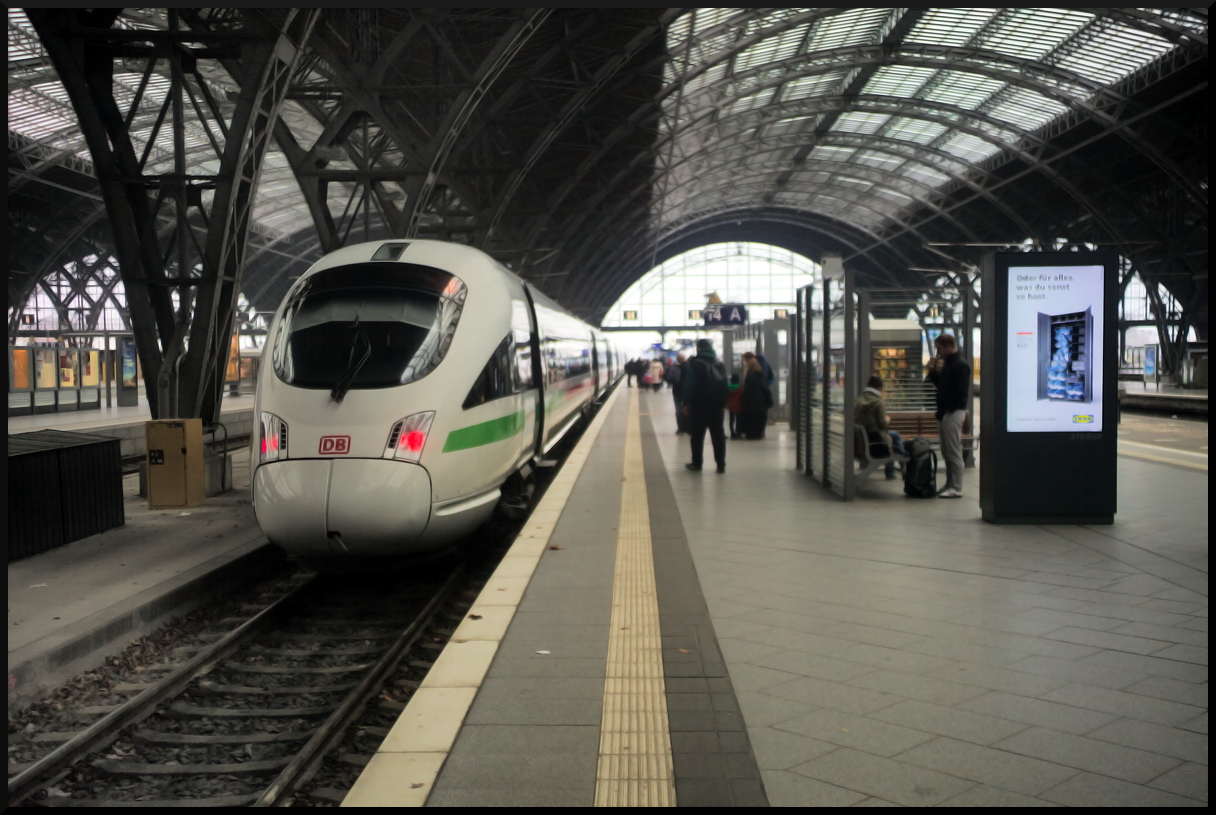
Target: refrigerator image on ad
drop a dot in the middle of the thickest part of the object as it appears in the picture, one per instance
(1066, 356)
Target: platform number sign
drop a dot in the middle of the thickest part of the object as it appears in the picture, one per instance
(334, 445)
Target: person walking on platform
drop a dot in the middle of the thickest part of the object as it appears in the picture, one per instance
(757, 399)
(656, 374)
(704, 404)
(952, 378)
(675, 378)
(871, 413)
(631, 372)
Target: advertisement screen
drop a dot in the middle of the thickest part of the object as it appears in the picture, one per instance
(129, 370)
(1055, 349)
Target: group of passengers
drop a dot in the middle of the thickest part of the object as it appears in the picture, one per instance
(703, 396)
(648, 373)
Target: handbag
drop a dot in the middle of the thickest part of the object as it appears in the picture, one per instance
(734, 401)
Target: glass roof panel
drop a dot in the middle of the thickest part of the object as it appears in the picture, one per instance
(898, 80)
(1031, 33)
(817, 85)
(860, 122)
(950, 26)
(1024, 108)
(1109, 54)
(914, 130)
(961, 89)
(971, 148)
(855, 27)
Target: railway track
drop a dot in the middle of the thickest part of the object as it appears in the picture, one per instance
(249, 713)
(282, 705)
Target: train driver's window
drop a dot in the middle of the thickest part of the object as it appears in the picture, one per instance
(497, 378)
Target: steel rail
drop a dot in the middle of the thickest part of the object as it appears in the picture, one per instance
(306, 762)
(107, 729)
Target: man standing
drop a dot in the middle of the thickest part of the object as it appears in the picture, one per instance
(952, 378)
(704, 404)
(631, 370)
(675, 378)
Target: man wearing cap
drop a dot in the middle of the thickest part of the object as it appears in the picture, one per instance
(704, 406)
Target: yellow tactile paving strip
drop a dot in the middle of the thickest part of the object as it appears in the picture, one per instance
(635, 767)
(402, 773)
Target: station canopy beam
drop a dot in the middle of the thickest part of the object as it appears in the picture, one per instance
(581, 147)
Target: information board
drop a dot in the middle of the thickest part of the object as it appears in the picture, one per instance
(1049, 344)
(1054, 365)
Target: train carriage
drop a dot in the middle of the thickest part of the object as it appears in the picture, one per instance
(402, 385)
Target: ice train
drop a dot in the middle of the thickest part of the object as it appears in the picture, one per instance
(406, 389)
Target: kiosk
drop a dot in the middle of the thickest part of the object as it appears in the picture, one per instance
(1051, 345)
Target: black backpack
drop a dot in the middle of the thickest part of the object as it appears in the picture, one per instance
(711, 384)
(920, 473)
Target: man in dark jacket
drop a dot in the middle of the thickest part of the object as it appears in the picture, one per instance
(675, 378)
(631, 370)
(952, 378)
(705, 404)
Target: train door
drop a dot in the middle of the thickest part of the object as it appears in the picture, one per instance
(538, 375)
(595, 366)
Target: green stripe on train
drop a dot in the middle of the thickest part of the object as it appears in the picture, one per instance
(485, 433)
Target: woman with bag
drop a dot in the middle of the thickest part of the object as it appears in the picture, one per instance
(757, 399)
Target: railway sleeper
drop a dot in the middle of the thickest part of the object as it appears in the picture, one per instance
(328, 794)
(118, 767)
(358, 759)
(184, 710)
(277, 669)
(342, 652)
(155, 737)
(213, 687)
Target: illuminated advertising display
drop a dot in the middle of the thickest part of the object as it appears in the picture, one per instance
(1054, 354)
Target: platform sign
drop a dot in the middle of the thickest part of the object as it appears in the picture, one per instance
(725, 315)
(1050, 331)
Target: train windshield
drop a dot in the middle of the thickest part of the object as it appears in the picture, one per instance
(367, 325)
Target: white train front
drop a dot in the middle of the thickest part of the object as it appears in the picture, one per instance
(402, 384)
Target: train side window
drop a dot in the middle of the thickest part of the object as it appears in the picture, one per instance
(497, 378)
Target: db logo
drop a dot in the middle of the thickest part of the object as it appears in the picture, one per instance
(1082, 419)
(334, 445)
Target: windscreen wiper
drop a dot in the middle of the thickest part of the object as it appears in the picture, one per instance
(352, 367)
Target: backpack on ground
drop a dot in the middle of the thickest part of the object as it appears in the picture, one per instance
(920, 473)
(712, 389)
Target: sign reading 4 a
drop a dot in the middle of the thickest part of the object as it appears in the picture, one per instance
(725, 314)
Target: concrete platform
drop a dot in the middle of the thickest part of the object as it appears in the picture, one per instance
(1165, 399)
(127, 423)
(71, 607)
(878, 652)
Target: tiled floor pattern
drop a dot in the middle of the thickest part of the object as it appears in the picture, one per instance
(904, 652)
(635, 747)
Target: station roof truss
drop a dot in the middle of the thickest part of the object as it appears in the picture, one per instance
(581, 147)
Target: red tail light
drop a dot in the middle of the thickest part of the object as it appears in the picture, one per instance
(413, 440)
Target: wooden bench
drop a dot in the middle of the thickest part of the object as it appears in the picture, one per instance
(869, 464)
(923, 423)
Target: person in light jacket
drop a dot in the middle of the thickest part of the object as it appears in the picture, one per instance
(656, 374)
(871, 413)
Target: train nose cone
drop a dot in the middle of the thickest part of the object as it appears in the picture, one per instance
(378, 507)
(318, 508)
